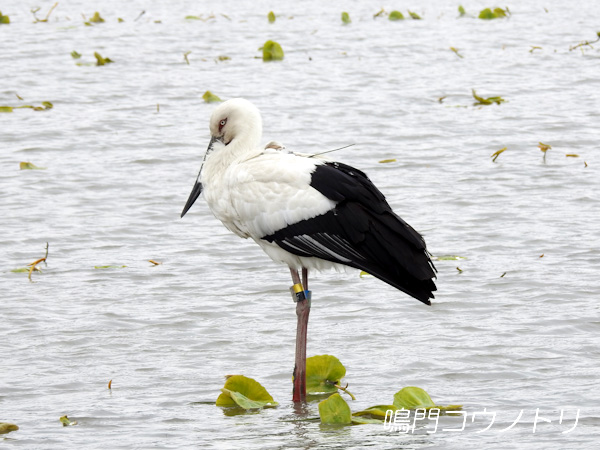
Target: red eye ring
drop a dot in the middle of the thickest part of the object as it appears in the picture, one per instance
(222, 124)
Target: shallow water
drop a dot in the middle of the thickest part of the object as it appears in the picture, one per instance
(122, 147)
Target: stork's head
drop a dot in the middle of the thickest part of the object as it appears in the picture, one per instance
(234, 123)
(236, 119)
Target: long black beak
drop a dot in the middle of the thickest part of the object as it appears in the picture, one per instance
(197, 189)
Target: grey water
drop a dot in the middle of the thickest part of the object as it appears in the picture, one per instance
(514, 329)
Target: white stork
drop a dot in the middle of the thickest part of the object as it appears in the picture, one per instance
(305, 212)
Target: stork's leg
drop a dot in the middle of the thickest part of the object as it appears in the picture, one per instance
(302, 311)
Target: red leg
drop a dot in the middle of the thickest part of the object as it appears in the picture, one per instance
(302, 311)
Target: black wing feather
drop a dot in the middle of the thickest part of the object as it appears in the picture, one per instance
(361, 231)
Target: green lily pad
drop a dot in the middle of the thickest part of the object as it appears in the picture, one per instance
(271, 16)
(26, 165)
(244, 392)
(396, 15)
(7, 427)
(4, 19)
(323, 372)
(272, 51)
(414, 397)
(346, 18)
(209, 97)
(335, 411)
(376, 411)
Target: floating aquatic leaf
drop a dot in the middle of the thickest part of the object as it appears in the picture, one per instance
(459, 270)
(100, 61)
(109, 267)
(47, 105)
(385, 161)
(271, 16)
(497, 153)
(396, 15)
(414, 397)
(193, 18)
(66, 422)
(185, 56)
(379, 13)
(33, 11)
(6, 109)
(7, 427)
(323, 373)
(75, 55)
(486, 101)
(534, 47)
(488, 14)
(272, 51)
(572, 155)
(222, 58)
(23, 269)
(448, 258)
(376, 411)
(244, 392)
(110, 384)
(544, 147)
(455, 50)
(26, 165)
(120, 20)
(96, 18)
(364, 274)
(209, 97)
(461, 11)
(335, 411)
(414, 15)
(154, 262)
(346, 18)
(4, 20)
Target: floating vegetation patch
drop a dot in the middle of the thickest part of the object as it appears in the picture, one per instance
(271, 16)
(75, 55)
(455, 50)
(26, 165)
(585, 43)
(323, 374)
(448, 258)
(346, 18)
(109, 267)
(209, 97)
(496, 13)
(396, 15)
(335, 411)
(461, 11)
(244, 392)
(495, 155)
(4, 20)
(100, 60)
(414, 15)
(386, 161)
(6, 427)
(96, 18)
(66, 422)
(486, 101)
(45, 19)
(416, 398)
(272, 51)
(45, 106)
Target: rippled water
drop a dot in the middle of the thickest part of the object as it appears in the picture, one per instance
(122, 147)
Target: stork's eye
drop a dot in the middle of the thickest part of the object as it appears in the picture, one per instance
(222, 123)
